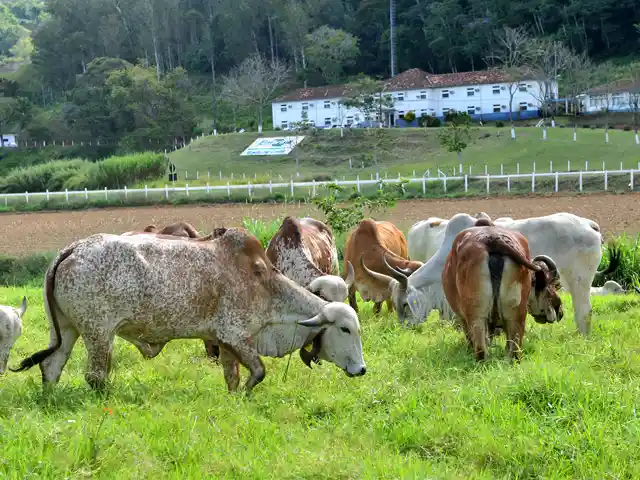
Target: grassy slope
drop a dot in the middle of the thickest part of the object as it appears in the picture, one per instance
(408, 149)
(424, 409)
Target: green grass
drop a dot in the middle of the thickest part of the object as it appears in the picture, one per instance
(326, 155)
(424, 409)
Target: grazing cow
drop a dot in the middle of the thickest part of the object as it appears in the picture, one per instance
(150, 291)
(10, 330)
(610, 287)
(574, 242)
(488, 278)
(305, 251)
(366, 245)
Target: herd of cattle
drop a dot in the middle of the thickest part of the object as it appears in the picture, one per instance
(245, 302)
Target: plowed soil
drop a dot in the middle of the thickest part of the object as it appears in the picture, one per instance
(27, 233)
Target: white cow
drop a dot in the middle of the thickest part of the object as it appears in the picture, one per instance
(610, 287)
(10, 330)
(575, 243)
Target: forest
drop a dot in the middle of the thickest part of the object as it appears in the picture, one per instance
(200, 47)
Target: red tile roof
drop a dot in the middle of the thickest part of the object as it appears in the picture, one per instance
(411, 79)
(619, 86)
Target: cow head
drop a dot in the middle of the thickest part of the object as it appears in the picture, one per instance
(340, 337)
(10, 330)
(613, 288)
(544, 304)
(332, 287)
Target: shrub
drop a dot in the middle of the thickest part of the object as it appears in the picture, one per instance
(24, 270)
(499, 124)
(628, 272)
(627, 128)
(410, 116)
(263, 231)
(434, 122)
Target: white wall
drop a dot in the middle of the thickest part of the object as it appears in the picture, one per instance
(316, 112)
(618, 102)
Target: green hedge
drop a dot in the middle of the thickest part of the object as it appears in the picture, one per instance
(24, 270)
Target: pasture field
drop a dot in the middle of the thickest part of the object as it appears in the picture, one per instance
(400, 151)
(424, 409)
(37, 232)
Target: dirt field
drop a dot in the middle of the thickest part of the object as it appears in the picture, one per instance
(48, 231)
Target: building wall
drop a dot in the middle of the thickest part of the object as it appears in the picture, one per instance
(619, 102)
(482, 102)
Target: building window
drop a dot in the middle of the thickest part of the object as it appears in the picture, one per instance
(599, 100)
(424, 112)
(523, 106)
(283, 108)
(327, 104)
(327, 121)
(400, 97)
(401, 112)
(423, 95)
(305, 106)
(496, 89)
(357, 118)
(522, 87)
(471, 91)
(284, 124)
(445, 93)
(496, 109)
(445, 111)
(617, 99)
(349, 120)
(471, 110)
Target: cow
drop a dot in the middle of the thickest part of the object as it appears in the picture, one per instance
(610, 287)
(366, 245)
(10, 330)
(150, 291)
(574, 242)
(178, 229)
(490, 282)
(305, 251)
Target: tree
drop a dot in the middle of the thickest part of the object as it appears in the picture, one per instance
(367, 96)
(578, 78)
(456, 135)
(634, 97)
(330, 51)
(511, 53)
(255, 82)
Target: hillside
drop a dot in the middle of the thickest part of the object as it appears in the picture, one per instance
(402, 151)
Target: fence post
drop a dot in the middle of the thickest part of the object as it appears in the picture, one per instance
(66, 194)
(488, 184)
(249, 189)
(208, 189)
(620, 165)
(631, 182)
(469, 170)
(606, 181)
(424, 185)
(518, 168)
(166, 191)
(603, 166)
(313, 194)
(220, 174)
(47, 194)
(270, 187)
(209, 173)
(556, 182)
(86, 194)
(26, 194)
(291, 189)
(580, 180)
(444, 184)
(533, 181)
(534, 167)
(228, 191)
(106, 194)
(550, 166)
(186, 175)
(186, 189)
(197, 174)
(357, 182)
(5, 200)
(126, 195)
(485, 169)
(568, 165)
(501, 169)
(146, 193)
(586, 165)
(466, 183)
(460, 169)
(509, 183)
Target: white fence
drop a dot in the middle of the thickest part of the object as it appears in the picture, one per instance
(311, 188)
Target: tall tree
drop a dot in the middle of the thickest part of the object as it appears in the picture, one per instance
(331, 51)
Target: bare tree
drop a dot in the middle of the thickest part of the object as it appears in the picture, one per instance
(510, 51)
(255, 81)
(578, 77)
(634, 97)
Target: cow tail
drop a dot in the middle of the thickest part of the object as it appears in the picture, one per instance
(49, 304)
(496, 267)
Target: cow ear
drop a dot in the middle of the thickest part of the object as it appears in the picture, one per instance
(540, 280)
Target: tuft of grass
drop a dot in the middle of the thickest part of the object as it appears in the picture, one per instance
(263, 231)
(628, 272)
(425, 408)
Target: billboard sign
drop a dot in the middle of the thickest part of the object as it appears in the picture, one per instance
(273, 145)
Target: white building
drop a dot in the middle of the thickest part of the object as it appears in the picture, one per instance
(619, 96)
(483, 94)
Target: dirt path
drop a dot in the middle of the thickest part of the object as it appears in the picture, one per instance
(26, 233)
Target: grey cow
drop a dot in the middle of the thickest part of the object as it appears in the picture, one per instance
(149, 290)
(10, 330)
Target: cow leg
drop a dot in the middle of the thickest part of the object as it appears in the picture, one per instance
(52, 366)
(478, 334)
(213, 350)
(352, 298)
(231, 368)
(515, 332)
(581, 296)
(249, 358)
(389, 303)
(99, 350)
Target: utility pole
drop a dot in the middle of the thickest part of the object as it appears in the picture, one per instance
(392, 36)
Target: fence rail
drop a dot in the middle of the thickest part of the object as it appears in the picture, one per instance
(426, 184)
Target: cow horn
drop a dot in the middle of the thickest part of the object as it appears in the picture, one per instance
(378, 276)
(351, 275)
(548, 261)
(23, 306)
(396, 274)
(316, 321)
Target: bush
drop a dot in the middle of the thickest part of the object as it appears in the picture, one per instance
(627, 128)
(499, 124)
(429, 121)
(628, 272)
(434, 122)
(24, 270)
(410, 116)
(263, 231)
(114, 172)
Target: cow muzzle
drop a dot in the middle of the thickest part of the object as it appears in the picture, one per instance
(356, 372)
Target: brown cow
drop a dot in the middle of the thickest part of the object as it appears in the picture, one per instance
(177, 229)
(369, 244)
(488, 278)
